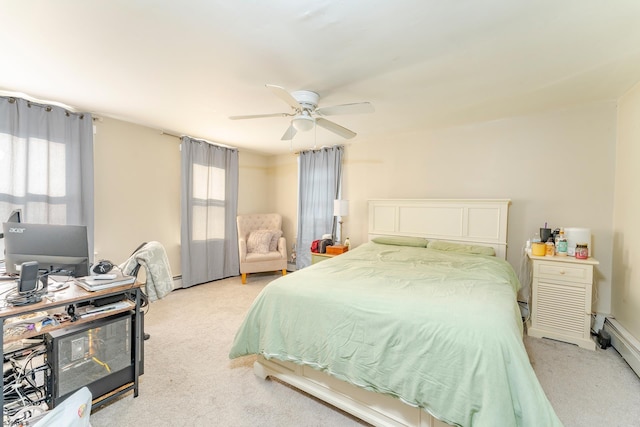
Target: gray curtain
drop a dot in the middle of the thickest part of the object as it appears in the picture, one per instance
(319, 180)
(209, 209)
(47, 164)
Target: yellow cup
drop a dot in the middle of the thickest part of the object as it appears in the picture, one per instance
(538, 249)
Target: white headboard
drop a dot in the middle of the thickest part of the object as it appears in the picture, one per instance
(474, 221)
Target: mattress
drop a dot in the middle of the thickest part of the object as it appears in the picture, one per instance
(437, 329)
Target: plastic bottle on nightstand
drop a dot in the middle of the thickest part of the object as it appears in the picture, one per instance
(550, 248)
(561, 244)
(347, 243)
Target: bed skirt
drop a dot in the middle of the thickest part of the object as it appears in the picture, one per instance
(377, 409)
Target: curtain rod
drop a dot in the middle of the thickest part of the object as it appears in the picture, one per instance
(46, 105)
(170, 134)
(162, 132)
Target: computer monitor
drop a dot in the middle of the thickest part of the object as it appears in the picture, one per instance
(55, 247)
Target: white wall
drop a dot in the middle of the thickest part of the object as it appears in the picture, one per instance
(137, 190)
(137, 186)
(254, 185)
(556, 167)
(284, 194)
(626, 228)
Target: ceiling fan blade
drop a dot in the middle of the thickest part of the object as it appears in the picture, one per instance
(289, 134)
(260, 116)
(283, 94)
(355, 108)
(335, 128)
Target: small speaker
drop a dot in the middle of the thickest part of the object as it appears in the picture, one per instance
(28, 277)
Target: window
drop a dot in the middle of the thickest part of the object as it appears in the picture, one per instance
(209, 246)
(46, 158)
(36, 180)
(208, 203)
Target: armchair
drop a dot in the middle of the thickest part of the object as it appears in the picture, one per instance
(260, 244)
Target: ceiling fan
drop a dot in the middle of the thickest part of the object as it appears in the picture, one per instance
(306, 114)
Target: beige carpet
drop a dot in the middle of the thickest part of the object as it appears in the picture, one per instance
(189, 380)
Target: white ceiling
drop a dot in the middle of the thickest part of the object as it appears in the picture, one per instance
(186, 66)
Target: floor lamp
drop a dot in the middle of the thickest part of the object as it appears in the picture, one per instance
(340, 209)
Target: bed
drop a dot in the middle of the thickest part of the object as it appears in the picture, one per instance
(418, 327)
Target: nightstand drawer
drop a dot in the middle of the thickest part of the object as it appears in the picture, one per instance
(567, 272)
(317, 257)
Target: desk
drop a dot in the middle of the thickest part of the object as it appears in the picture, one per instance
(76, 295)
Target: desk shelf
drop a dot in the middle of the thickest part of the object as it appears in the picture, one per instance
(8, 339)
(74, 295)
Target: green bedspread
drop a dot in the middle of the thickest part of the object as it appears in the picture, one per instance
(438, 330)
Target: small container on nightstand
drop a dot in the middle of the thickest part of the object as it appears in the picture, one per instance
(582, 251)
(337, 249)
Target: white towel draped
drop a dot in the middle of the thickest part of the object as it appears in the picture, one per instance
(153, 258)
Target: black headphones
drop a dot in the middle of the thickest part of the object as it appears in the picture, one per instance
(102, 267)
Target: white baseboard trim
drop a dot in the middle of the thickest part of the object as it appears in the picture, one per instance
(177, 282)
(624, 343)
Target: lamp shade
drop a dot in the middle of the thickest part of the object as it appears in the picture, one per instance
(340, 207)
(303, 122)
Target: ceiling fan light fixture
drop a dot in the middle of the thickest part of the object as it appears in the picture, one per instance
(307, 115)
(303, 122)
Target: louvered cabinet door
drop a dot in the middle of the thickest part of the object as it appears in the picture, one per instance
(561, 299)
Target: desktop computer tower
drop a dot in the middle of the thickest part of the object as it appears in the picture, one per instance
(98, 355)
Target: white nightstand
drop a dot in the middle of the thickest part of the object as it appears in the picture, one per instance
(561, 303)
(317, 257)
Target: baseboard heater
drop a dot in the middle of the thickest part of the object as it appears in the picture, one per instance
(624, 343)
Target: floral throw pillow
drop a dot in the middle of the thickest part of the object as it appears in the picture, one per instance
(275, 236)
(258, 241)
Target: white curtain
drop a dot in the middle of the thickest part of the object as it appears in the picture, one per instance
(46, 158)
(319, 181)
(209, 209)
